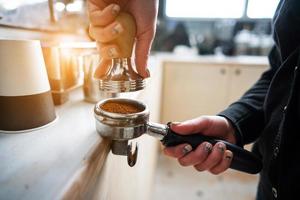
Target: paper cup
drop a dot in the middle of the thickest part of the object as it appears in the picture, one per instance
(25, 97)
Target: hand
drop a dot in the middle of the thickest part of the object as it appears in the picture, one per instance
(104, 28)
(215, 159)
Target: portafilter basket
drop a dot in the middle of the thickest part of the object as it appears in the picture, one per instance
(123, 127)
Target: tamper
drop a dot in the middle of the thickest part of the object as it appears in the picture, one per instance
(122, 119)
(117, 74)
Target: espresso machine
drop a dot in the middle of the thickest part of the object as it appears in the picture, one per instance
(118, 75)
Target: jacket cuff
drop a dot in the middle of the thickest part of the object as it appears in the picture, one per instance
(247, 122)
(237, 133)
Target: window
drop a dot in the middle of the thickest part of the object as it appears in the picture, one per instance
(13, 4)
(261, 8)
(205, 8)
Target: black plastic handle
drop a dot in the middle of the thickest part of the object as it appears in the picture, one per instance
(242, 160)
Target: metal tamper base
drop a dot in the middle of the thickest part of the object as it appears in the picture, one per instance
(120, 77)
(121, 86)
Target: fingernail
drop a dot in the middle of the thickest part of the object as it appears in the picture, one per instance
(117, 29)
(221, 147)
(172, 124)
(112, 52)
(115, 9)
(208, 147)
(228, 155)
(147, 73)
(186, 149)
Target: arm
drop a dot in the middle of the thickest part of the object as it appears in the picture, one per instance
(247, 121)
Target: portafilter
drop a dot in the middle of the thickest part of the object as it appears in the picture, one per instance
(123, 126)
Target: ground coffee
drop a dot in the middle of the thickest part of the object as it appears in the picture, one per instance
(120, 107)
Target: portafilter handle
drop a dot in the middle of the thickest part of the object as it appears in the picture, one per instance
(242, 160)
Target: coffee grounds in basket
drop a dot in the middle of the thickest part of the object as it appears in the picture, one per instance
(120, 107)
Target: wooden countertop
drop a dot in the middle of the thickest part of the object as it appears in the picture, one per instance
(38, 164)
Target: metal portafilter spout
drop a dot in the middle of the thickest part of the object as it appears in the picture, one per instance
(123, 119)
(116, 73)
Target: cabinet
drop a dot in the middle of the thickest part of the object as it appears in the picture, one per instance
(191, 89)
(241, 79)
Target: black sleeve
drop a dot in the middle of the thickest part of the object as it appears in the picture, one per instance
(247, 115)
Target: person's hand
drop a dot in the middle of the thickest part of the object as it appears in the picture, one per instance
(104, 28)
(215, 159)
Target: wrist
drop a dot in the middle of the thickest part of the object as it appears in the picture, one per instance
(231, 135)
(236, 133)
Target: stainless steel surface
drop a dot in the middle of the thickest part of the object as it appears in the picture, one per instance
(120, 77)
(126, 126)
(157, 130)
(117, 118)
(123, 127)
(90, 84)
(132, 154)
(119, 132)
(119, 147)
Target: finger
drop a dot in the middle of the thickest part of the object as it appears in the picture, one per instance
(214, 157)
(224, 164)
(102, 69)
(142, 51)
(101, 4)
(196, 156)
(104, 17)
(178, 151)
(96, 5)
(107, 33)
(196, 125)
(108, 51)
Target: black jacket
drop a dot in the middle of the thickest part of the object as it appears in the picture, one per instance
(269, 113)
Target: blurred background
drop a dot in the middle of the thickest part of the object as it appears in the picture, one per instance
(235, 27)
(219, 46)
